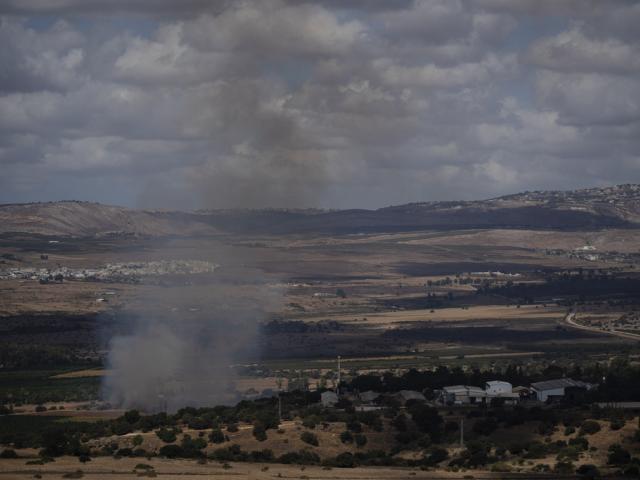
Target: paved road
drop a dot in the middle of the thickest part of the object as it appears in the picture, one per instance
(570, 319)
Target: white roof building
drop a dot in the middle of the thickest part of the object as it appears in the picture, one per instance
(463, 394)
(557, 388)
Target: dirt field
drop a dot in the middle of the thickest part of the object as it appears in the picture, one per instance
(491, 312)
(106, 468)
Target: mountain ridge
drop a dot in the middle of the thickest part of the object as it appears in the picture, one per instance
(592, 208)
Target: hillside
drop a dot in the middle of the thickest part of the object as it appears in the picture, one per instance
(85, 219)
(587, 209)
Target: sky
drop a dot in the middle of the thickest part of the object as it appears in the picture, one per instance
(335, 104)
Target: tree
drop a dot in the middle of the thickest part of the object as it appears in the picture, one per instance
(216, 436)
(310, 438)
(346, 437)
(259, 431)
(618, 455)
(360, 439)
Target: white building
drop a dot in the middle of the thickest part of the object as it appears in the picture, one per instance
(555, 389)
(463, 395)
(503, 390)
(496, 387)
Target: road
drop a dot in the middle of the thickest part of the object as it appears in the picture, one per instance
(570, 319)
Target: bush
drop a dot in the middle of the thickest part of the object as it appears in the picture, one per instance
(618, 455)
(167, 436)
(436, 456)
(259, 432)
(41, 408)
(346, 437)
(216, 436)
(310, 422)
(303, 457)
(124, 452)
(579, 442)
(501, 467)
(354, 426)
(588, 470)
(361, 440)
(564, 468)
(137, 440)
(232, 427)
(171, 451)
(406, 438)
(344, 460)
(310, 438)
(617, 424)
(132, 416)
(589, 427)
(485, 426)
(569, 431)
(8, 453)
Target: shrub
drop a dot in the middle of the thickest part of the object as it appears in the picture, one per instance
(124, 452)
(617, 424)
(618, 455)
(232, 427)
(310, 438)
(361, 440)
(569, 431)
(579, 442)
(407, 437)
(500, 467)
(346, 437)
(344, 460)
(41, 408)
(137, 440)
(564, 468)
(310, 422)
(354, 426)
(589, 427)
(8, 453)
(485, 426)
(436, 456)
(303, 457)
(167, 436)
(132, 416)
(588, 470)
(171, 451)
(216, 436)
(259, 432)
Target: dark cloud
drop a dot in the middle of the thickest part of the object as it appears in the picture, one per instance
(299, 103)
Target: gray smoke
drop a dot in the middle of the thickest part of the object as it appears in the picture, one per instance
(260, 155)
(182, 341)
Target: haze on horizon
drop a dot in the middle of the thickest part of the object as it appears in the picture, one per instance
(199, 104)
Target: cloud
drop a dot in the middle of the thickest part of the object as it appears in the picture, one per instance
(573, 52)
(300, 103)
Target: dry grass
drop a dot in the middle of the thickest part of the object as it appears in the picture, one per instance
(485, 312)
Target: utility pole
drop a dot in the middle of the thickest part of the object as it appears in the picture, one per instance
(279, 409)
(338, 384)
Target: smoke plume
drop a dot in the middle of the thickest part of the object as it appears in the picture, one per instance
(182, 340)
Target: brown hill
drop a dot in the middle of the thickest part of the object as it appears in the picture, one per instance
(84, 219)
(588, 209)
